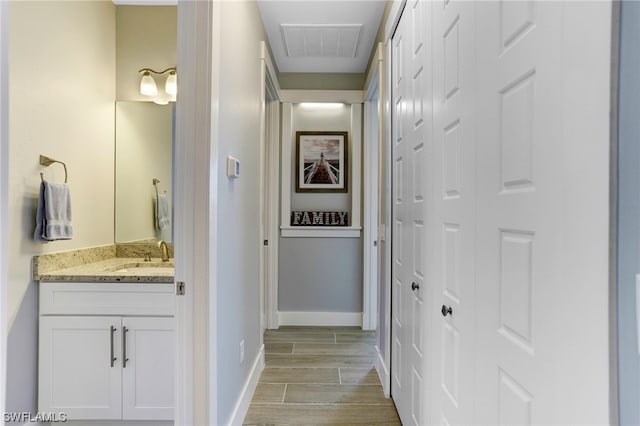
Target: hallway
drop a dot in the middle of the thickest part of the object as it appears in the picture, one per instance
(320, 375)
(488, 178)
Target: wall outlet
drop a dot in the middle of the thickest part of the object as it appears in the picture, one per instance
(241, 352)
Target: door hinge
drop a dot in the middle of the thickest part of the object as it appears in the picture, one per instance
(180, 288)
(265, 242)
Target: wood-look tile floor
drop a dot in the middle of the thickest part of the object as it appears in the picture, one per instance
(320, 376)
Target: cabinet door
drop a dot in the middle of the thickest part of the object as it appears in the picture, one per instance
(148, 369)
(78, 374)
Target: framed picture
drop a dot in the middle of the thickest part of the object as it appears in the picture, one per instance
(321, 161)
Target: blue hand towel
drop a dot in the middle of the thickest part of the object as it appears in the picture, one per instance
(53, 219)
(162, 212)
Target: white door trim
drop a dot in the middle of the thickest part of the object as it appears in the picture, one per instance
(370, 263)
(274, 241)
(370, 188)
(386, 84)
(196, 174)
(269, 154)
(382, 286)
(4, 191)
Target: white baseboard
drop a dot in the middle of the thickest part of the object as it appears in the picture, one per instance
(101, 423)
(108, 423)
(244, 400)
(383, 373)
(365, 322)
(320, 318)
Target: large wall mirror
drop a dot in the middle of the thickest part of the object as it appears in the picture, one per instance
(144, 172)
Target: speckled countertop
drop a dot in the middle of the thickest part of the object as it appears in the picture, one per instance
(100, 264)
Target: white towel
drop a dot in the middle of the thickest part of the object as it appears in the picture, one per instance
(53, 219)
(162, 212)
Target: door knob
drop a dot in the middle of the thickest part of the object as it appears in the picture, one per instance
(446, 310)
(414, 286)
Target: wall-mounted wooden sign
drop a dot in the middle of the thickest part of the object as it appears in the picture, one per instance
(311, 218)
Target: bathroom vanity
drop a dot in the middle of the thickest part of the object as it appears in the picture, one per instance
(107, 339)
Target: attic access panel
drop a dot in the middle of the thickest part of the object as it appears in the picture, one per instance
(321, 40)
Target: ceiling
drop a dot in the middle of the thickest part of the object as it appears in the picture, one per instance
(323, 36)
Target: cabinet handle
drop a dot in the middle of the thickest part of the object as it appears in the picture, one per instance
(112, 359)
(124, 347)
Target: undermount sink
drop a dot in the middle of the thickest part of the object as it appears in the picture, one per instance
(146, 268)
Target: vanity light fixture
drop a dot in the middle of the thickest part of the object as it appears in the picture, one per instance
(148, 85)
(171, 85)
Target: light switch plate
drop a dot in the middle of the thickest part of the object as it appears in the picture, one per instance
(233, 167)
(382, 233)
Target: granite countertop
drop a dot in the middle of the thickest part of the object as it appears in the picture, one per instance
(100, 265)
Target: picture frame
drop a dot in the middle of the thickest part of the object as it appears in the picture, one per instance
(322, 161)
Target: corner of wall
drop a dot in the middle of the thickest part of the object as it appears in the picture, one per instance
(383, 373)
(244, 399)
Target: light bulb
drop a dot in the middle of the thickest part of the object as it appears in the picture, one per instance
(148, 85)
(171, 85)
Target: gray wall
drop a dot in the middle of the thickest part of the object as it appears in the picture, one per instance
(321, 81)
(320, 275)
(238, 202)
(629, 212)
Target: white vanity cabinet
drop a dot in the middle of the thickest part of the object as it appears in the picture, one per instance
(148, 369)
(107, 350)
(75, 375)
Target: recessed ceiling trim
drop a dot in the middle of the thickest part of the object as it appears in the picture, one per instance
(321, 40)
(334, 13)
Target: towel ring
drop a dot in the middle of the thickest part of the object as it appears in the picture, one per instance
(155, 184)
(46, 161)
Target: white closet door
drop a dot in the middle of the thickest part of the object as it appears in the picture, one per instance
(542, 255)
(412, 130)
(400, 293)
(500, 211)
(419, 129)
(452, 242)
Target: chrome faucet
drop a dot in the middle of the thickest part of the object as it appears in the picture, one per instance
(164, 249)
